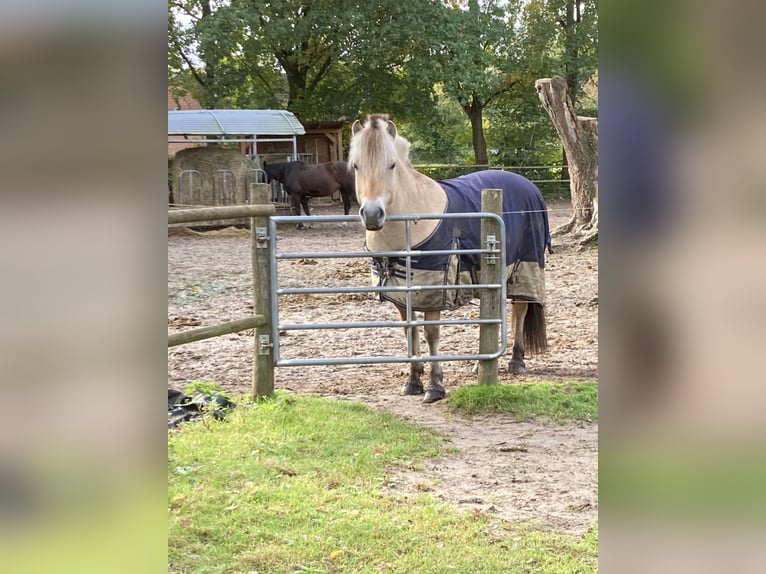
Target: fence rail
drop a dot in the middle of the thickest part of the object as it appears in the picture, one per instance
(260, 322)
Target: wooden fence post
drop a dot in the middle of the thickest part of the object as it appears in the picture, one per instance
(263, 353)
(492, 271)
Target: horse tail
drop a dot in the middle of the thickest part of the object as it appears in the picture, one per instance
(535, 334)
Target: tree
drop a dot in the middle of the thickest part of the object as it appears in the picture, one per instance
(418, 61)
(207, 56)
(577, 22)
(476, 64)
(319, 58)
(580, 138)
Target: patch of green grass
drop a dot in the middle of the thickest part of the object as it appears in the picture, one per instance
(205, 388)
(707, 480)
(557, 401)
(295, 484)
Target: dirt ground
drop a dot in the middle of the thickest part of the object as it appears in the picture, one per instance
(519, 470)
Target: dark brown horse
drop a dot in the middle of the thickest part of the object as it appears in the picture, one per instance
(305, 180)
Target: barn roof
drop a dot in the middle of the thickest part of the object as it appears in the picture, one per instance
(234, 123)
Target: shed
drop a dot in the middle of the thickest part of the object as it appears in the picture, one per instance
(323, 140)
(243, 126)
(212, 175)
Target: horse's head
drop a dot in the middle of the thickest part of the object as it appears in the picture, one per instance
(277, 171)
(270, 170)
(376, 152)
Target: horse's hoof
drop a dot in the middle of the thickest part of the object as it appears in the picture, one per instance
(299, 226)
(412, 388)
(517, 368)
(435, 394)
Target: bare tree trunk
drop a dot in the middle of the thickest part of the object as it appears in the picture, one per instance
(580, 139)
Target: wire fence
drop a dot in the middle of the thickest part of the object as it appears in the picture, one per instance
(190, 184)
(548, 178)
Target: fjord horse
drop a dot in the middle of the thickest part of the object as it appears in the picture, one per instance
(305, 180)
(387, 184)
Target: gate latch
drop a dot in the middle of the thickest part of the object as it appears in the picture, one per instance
(492, 257)
(261, 238)
(264, 344)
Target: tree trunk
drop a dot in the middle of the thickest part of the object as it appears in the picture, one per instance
(564, 165)
(580, 139)
(475, 112)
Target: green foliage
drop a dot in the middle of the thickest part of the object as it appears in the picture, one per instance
(205, 388)
(321, 59)
(427, 63)
(686, 482)
(446, 171)
(556, 401)
(297, 484)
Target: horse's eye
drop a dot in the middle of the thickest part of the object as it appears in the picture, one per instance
(353, 165)
(393, 165)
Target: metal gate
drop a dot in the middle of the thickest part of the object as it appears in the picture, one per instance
(493, 253)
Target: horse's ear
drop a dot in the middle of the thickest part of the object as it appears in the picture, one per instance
(356, 127)
(391, 128)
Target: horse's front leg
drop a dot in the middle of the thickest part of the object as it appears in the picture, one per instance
(435, 390)
(414, 384)
(344, 194)
(519, 313)
(295, 199)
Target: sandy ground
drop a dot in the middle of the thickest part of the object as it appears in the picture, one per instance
(519, 470)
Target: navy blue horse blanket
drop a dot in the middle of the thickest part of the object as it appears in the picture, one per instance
(527, 236)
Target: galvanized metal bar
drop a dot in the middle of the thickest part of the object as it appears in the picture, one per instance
(411, 330)
(331, 290)
(319, 361)
(292, 219)
(371, 254)
(274, 289)
(383, 324)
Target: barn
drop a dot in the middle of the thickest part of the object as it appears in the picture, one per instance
(216, 173)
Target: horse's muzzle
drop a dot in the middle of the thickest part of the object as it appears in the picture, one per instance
(373, 217)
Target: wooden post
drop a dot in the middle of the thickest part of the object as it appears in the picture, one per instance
(492, 271)
(263, 352)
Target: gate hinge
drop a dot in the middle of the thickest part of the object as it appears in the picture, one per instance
(492, 257)
(264, 344)
(261, 238)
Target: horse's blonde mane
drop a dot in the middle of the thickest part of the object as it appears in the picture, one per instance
(402, 148)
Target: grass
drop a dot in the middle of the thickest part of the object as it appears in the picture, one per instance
(560, 402)
(695, 481)
(296, 484)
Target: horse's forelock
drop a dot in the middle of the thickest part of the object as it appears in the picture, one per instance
(377, 121)
(371, 144)
(375, 145)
